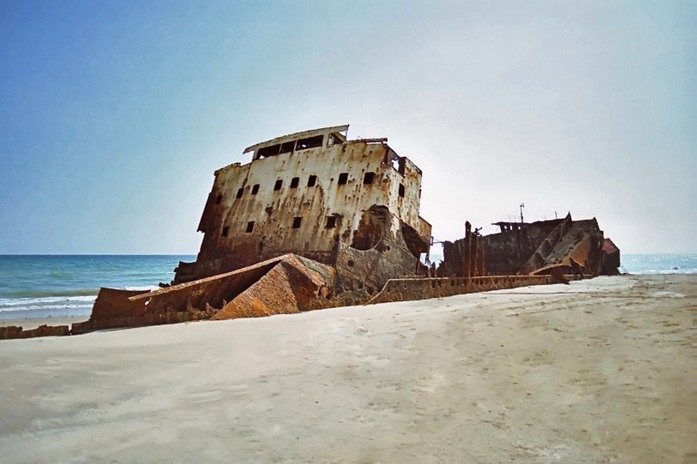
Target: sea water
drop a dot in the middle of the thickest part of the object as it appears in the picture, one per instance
(659, 264)
(66, 286)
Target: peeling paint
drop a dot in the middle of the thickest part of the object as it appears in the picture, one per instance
(316, 220)
(289, 202)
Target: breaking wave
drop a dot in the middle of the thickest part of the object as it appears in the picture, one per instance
(50, 293)
(65, 285)
(53, 306)
(659, 264)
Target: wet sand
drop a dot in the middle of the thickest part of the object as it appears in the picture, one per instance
(596, 371)
(32, 323)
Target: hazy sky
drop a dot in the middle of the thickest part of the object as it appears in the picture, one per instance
(114, 114)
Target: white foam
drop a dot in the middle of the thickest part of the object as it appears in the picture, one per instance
(21, 304)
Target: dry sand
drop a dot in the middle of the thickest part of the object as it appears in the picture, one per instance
(598, 371)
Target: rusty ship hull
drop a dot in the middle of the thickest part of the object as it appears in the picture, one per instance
(316, 220)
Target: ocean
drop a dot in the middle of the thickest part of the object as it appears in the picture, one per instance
(659, 264)
(66, 286)
(33, 286)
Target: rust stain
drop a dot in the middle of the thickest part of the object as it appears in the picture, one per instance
(317, 220)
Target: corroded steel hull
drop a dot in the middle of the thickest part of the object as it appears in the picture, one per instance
(315, 220)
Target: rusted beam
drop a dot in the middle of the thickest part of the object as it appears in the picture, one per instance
(467, 268)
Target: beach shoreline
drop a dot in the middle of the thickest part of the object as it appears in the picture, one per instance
(596, 371)
(29, 323)
(16, 318)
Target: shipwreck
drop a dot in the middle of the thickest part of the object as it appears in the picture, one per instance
(316, 220)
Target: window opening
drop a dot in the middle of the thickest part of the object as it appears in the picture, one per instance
(287, 147)
(310, 142)
(334, 139)
(294, 182)
(343, 178)
(268, 151)
(240, 192)
(278, 184)
(311, 181)
(255, 189)
(218, 199)
(368, 178)
(296, 222)
(226, 229)
(401, 190)
(331, 222)
(250, 226)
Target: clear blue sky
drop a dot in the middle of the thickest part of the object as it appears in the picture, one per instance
(114, 114)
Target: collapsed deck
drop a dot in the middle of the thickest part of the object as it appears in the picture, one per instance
(319, 195)
(316, 220)
(285, 285)
(559, 246)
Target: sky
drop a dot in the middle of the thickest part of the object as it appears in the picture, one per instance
(115, 114)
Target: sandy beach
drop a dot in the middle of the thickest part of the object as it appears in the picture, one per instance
(32, 323)
(597, 371)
